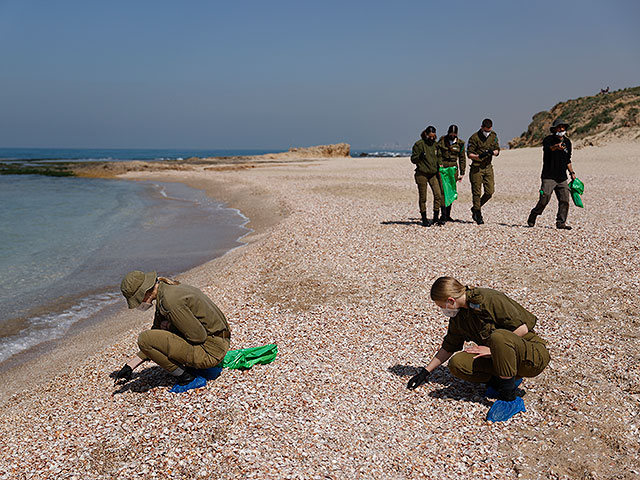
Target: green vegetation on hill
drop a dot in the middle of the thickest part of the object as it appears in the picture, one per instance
(600, 117)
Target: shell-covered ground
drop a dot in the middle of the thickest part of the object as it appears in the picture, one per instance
(341, 285)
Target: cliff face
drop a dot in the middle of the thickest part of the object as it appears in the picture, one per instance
(593, 120)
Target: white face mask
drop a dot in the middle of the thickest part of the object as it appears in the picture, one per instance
(560, 134)
(486, 134)
(450, 312)
(144, 306)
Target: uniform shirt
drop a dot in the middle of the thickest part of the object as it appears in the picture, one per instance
(478, 143)
(554, 162)
(487, 311)
(428, 163)
(452, 153)
(192, 314)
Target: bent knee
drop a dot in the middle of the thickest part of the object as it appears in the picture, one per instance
(500, 337)
(458, 365)
(146, 341)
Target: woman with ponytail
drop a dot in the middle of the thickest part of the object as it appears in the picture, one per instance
(507, 349)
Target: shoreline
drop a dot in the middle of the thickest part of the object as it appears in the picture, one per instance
(336, 274)
(27, 369)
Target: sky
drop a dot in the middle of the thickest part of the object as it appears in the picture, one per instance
(276, 74)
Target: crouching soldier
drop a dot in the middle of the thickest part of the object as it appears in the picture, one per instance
(189, 331)
(507, 349)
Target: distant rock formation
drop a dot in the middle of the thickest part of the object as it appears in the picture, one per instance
(593, 120)
(319, 151)
(112, 169)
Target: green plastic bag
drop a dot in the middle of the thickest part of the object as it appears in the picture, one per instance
(449, 180)
(576, 187)
(248, 357)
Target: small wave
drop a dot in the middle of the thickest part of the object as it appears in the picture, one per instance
(388, 154)
(54, 325)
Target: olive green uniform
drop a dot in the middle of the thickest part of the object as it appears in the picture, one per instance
(489, 320)
(198, 335)
(452, 155)
(481, 171)
(427, 161)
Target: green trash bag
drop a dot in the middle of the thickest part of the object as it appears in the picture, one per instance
(248, 357)
(576, 187)
(449, 180)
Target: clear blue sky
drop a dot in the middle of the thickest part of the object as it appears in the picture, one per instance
(274, 74)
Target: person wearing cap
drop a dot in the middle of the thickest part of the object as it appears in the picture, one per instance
(188, 331)
(481, 148)
(425, 156)
(452, 153)
(556, 160)
(507, 348)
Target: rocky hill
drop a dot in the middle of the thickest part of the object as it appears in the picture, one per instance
(593, 120)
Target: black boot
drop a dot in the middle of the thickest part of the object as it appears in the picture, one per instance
(477, 216)
(436, 218)
(185, 378)
(506, 388)
(443, 214)
(425, 220)
(449, 219)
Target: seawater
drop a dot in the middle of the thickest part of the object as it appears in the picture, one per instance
(66, 243)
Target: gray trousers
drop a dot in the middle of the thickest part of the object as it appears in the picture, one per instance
(562, 193)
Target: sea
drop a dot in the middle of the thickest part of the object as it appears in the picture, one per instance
(66, 242)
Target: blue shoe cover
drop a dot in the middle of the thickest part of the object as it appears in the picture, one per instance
(195, 383)
(491, 392)
(208, 373)
(502, 411)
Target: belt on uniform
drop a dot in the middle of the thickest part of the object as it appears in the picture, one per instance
(481, 164)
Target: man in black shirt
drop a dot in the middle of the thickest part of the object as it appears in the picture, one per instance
(556, 160)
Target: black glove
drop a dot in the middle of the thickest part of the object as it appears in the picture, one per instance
(124, 375)
(485, 154)
(418, 379)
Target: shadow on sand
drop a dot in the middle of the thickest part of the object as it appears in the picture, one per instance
(145, 380)
(452, 387)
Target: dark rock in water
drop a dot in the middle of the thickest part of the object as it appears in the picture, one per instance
(363, 154)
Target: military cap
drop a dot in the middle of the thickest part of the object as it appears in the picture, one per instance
(135, 284)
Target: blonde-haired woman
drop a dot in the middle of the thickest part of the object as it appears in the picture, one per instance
(188, 329)
(506, 350)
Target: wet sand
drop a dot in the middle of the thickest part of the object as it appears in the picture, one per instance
(337, 274)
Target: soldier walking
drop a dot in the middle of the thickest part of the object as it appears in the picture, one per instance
(482, 147)
(556, 160)
(452, 155)
(426, 157)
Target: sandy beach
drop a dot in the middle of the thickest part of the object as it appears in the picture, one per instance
(337, 273)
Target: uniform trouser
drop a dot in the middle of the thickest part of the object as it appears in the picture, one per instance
(171, 351)
(422, 180)
(562, 194)
(511, 356)
(481, 177)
